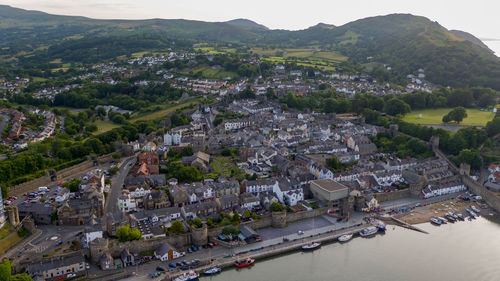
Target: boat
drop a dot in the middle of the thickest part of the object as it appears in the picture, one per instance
(461, 217)
(469, 218)
(380, 225)
(475, 209)
(450, 218)
(443, 220)
(436, 221)
(473, 215)
(372, 230)
(345, 237)
(212, 271)
(311, 246)
(244, 263)
(187, 276)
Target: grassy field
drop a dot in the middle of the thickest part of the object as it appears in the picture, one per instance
(475, 117)
(9, 241)
(212, 73)
(104, 126)
(162, 113)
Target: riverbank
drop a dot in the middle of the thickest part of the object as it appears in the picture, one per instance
(423, 214)
(275, 250)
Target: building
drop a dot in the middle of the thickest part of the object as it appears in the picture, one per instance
(40, 212)
(165, 252)
(58, 267)
(2, 212)
(333, 193)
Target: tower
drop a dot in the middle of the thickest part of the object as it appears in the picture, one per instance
(13, 215)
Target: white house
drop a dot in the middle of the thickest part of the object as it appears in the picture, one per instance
(258, 186)
(126, 203)
(164, 253)
(438, 190)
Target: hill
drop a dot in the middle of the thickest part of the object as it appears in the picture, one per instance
(403, 41)
(246, 23)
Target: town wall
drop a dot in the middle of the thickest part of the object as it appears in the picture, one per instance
(389, 196)
(490, 197)
(137, 246)
(32, 185)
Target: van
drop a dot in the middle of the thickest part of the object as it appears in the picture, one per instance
(43, 189)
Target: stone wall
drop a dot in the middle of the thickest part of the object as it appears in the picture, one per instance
(137, 246)
(293, 217)
(490, 197)
(388, 196)
(30, 186)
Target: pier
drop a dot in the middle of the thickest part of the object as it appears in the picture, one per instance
(407, 225)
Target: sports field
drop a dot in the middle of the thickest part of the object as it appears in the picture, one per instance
(475, 117)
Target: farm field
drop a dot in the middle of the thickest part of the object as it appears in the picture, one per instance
(213, 73)
(475, 117)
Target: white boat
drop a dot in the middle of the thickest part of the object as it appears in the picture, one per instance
(187, 276)
(475, 209)
(212, 271)
(311, 246)
(372, 230)
(436, 221)
(345, 237)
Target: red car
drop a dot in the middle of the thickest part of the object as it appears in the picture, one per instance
(215, 243)
(61, 278)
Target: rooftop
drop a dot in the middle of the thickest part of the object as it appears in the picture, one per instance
(329, 185)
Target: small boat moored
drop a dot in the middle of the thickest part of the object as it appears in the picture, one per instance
(372, 230)
(311, 246)
(436, 221)
(212, 271)
(187, 276)
(380, 225)
(244, 263)
(443, 220)
(345, 237)
(476, 210)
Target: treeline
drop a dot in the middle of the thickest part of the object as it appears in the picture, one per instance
(331, 102)
(124, 95)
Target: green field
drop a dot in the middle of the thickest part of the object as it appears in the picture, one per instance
(212, 73)
(104, 126)
(9, 241)
(475, 117)
(164, 112)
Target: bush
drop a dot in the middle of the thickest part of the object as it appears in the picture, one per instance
(230, 230)
(197, 223)
(177, 227)
(125, 233)
(276, 207)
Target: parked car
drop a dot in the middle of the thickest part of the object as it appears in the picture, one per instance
(161, 268)
(71, 275)
(61, 278)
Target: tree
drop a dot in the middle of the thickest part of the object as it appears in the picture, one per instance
(5, 270)
(247, 214)
(276, 207)
(113, 170)
(21, 277)
(457, 114)
(177, 227)
(470, 157)
(125, 233)
(197, 223)
(396, 106)
(493, 127)
(230, 230)
(73, 185)
(235, 220)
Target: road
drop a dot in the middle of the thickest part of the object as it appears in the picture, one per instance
(5, 120)
(116, 185)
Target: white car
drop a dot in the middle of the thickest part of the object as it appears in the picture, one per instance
(70, 275)
(300, 232)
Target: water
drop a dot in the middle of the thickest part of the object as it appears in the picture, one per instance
(468, 251)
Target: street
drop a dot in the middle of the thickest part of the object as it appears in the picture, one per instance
(111, 205)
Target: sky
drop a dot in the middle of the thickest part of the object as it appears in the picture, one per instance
(479, 17)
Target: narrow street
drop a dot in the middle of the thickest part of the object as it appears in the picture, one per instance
(117, 181)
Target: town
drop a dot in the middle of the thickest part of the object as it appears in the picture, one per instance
(167, 164)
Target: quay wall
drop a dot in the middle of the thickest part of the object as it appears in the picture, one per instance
(178, 241)
(389, 196)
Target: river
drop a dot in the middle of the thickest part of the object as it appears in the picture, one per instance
(462, 251)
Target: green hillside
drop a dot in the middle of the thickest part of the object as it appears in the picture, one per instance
(403, 41)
